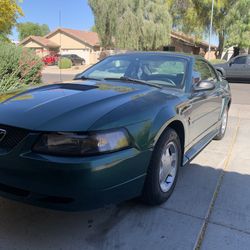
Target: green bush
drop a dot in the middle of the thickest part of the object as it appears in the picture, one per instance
(64, 63)
(18, 67)
(217, 61)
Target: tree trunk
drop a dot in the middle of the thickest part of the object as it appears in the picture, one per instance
(221, 45)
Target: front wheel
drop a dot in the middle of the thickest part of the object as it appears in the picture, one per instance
(223, 126)
(163, 169)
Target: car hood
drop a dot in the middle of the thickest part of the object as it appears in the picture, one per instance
(68, 106)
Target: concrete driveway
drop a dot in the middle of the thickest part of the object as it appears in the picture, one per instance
(209, 209)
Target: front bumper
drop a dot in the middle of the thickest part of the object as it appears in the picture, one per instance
(69, 183)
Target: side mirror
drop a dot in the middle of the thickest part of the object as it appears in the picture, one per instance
(231, 62)
(221, 75)
(204, 85)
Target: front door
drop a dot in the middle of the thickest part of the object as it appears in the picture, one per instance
(237, 67)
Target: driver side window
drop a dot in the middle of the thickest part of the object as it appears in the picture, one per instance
(203, 72)
(240, 60)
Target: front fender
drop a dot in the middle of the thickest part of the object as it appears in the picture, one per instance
(164, 118)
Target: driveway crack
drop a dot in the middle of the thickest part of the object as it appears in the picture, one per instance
(182, 213)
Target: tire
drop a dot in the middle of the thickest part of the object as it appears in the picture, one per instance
(223, 125)
(158, 185)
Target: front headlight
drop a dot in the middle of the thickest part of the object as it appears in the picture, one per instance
(76, 144)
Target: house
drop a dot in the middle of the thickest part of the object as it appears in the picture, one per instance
(181, 42)
(86, 44)
(66, 41)
(233, 51)
(41, 45)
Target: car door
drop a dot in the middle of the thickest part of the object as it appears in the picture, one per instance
(247, 68)
(205, 105)
(237, 67)
(73, 59)
(77, 59)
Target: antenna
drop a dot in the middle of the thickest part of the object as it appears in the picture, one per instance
(60, 40)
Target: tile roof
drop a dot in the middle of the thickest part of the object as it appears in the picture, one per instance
(41, 40)
(88, 37)
(189, 39)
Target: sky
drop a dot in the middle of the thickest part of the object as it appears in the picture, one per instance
(75, 14)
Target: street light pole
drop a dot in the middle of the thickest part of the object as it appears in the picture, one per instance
(210, 30)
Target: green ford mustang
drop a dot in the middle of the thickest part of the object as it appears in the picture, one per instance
(121, 129)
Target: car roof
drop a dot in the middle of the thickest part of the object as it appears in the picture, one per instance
(247, 55)
(175, 54)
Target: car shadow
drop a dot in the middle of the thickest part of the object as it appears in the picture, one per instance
(129, 225)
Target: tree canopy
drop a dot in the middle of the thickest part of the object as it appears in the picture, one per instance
(32, 29)
(9, 12)
(187, 17)
(230, 20)
(132, 24)
(238, 22)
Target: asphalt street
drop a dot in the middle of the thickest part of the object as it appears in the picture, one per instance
(209, 209)
(52, 78)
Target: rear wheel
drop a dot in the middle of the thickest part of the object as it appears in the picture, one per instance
(163, 169)
(223, 126)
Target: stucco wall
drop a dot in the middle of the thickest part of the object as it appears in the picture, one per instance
(72, 46)
(40, 51)
(32, 44)
(67, 42)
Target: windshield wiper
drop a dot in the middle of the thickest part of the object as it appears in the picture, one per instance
(132, 80)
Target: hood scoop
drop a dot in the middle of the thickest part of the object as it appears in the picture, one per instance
(74, 86)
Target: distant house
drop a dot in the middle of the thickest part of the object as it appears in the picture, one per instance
(41, 45)
(181, 42)
(66, 41)
(86, 44)
(233, 51)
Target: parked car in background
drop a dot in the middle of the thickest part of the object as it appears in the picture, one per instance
(51, 59)
(75, 59)
(238, 68)
(122, 130)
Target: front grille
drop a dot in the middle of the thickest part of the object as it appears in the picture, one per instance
(13, 137)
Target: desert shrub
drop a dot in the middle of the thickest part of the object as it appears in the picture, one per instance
(64, 63)
(19, 67)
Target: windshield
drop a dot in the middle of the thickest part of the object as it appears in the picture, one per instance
(158, 69)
